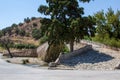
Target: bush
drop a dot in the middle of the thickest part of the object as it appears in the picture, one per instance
(22, 32)
(66, 49)
(43, 39)
(33, 18)
(36, 34)
(107, 41)
(27, 20)
(20, 24)
(24, 46)
(1, 34)
(87, 38)
(35, 24)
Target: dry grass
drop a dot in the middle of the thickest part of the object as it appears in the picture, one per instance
(26, 40)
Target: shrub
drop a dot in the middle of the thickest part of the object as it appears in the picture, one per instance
(66, 49)
(107, 41)
(25, 61)
(20, 24)
(34, 24)
(36, 34)
(33, 18)
(27, 20)
(43, 39)
(1, 34)
(24, 46)
(22, 32)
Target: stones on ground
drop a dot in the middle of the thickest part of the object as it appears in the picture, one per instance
(25, 61)
(97, 59)
(118, 67)
(52, 64)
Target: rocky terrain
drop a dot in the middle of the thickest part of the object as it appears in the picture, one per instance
(99, 58)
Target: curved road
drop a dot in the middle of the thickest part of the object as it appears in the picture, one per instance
(10, 71)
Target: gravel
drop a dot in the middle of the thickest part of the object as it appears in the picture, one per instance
(97, 59)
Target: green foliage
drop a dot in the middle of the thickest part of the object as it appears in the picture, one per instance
(14, 25)
(27, 34)
(53, 52)
(43, 39)
(27, 20)
(65, 49)
(22, 32)
(36, 34)
(7, 30)
(107, 41)
(24, 46)
(20, 24)
(34, 24)
(33, 18)
(1, 34)
(108, 28)
(108, 23)
(87, 38)
(66, 23)
(17, 31)
(25, 61)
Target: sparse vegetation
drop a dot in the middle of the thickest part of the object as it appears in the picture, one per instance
(27, 20)
(33, 18)
(24, 46)
(36, 33)
(25, 61)
(22, 32)
(6, 43)
(43, 39)
(20, 24)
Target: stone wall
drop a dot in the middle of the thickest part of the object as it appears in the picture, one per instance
(99, 45)
(24, 53)
(75, 53)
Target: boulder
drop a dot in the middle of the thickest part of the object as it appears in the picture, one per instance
(52, 64)
(118, 67)
(49, 53)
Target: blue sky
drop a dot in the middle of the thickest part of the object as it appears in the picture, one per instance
(14, 11)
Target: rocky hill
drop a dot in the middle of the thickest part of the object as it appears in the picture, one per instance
(27, 32)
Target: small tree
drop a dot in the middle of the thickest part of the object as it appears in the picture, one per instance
(33, 18)
(20, 24)
(14, 25)
(108, 24)
(36, 34)
(22, 32)
(27, 20)
(1, 34)
(6, 43)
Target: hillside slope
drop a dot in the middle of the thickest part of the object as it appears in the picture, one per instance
(27, 32)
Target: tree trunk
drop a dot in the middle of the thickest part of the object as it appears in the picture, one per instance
(71, 46)
(9, 51)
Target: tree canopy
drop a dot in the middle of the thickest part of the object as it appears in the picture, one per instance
(66, 22)
(108, 23)
(108, 27)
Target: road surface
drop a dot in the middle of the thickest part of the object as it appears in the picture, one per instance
(10, 71)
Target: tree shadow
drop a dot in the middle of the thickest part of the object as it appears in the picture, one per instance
(91, 56)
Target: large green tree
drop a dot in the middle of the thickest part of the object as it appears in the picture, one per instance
(66, 23)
